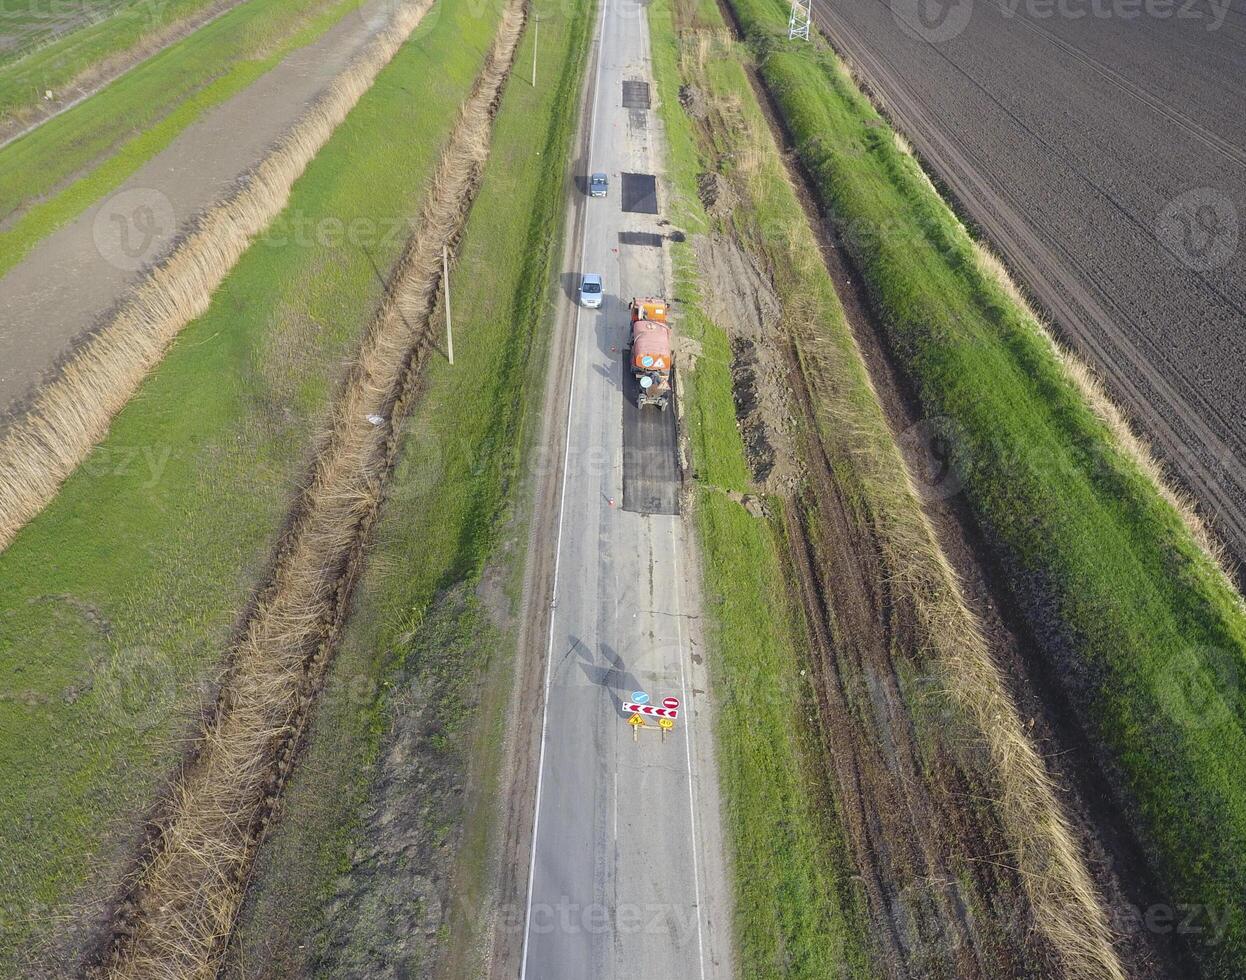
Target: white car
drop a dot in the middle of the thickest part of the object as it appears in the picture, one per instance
(590, 290)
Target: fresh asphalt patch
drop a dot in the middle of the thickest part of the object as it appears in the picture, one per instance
(650, 459)
(640, 193)
(635, 95)
(640, 239)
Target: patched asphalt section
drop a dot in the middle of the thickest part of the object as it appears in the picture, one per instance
(650, 456)
(635, 94)
(640, 239)
(640, 193)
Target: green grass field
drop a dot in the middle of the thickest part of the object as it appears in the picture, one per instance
(36, 24)
(451, 506)
(118, 600)
(797, 910)
(55, 172)
(46, 43)
(1147, 635)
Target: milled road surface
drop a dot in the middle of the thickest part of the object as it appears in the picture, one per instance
(627, 873)
(77, 275)
(1101, 145)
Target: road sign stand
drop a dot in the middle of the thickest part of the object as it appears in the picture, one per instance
(666, 714)
(638, 724)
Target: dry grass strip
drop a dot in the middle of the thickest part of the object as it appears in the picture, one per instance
(72, 413)
(189, 890)
(1066, 903)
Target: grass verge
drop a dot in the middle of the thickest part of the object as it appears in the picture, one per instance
(56, 171)
(969, 731)
(798, 911)
(53, 44)
(423, 659)
(119, 598)
(1141, 625)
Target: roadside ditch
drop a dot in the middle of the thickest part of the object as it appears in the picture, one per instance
(1113, 854)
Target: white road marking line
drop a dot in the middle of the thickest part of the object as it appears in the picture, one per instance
(679, 636)
(562, 507)
(683, 689)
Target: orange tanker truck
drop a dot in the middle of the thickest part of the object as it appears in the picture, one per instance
(651, 351)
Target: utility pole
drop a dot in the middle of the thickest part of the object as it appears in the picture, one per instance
(536, 37)
(445, 280)
(799, 19)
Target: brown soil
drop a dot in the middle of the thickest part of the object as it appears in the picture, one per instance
(739, 298)
(716, 194)
(693, 101)
(1072, 144)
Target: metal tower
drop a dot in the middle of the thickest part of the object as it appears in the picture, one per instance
(800, 19)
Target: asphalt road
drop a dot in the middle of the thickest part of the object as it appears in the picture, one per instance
(68, 284)
(1101, 145)
(627, 874)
